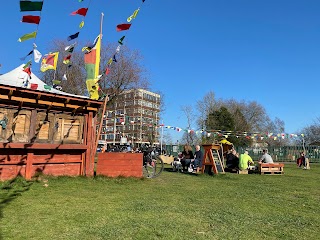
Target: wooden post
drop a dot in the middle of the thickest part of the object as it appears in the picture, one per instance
(29, 166)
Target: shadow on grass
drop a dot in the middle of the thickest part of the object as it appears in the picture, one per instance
(10, 190)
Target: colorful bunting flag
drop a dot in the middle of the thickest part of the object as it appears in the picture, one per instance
(37, 55)
(66, 60)
(34, 86)
(27, 70)
(56, 82)
(80, 11)
(71, 37)
(81, 24)
(92, 63)
(47, 87)
(107, 71)
(70, 48)
(133, 16)
(28, 6)
(64, 77)
(31, 19)
(24, 58)
(27, 36)
(49, 61)
(123, 27)
(114, 58)
(90, 47)
(121, 40)
(118, 49)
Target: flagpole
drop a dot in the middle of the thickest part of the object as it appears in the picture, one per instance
(104, 103)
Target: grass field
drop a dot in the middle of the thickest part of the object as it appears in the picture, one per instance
(172, 206)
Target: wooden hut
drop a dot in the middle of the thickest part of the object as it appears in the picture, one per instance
(46, 132)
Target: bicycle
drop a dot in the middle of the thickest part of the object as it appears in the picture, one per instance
(152, 165)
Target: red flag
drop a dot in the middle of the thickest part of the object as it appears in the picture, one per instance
(122, 27)
(30, 19)
(107, 71)
(34, 86)
(80, 11)
(27, 70)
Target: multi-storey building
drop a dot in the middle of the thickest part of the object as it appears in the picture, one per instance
(132, 119)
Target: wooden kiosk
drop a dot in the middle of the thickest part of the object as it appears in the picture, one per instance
(46, 132)
(212, 162)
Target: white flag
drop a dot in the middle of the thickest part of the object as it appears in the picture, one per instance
(37, 55)
(64, 77)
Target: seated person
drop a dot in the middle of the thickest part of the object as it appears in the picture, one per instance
(232, 160)
(265, 158)
(198, 157)
(301, 160)
(245, 161)
(187, 155)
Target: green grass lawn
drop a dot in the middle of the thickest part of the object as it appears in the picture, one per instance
(172, 206)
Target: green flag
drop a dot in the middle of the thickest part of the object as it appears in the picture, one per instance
(27, 36)
(30, 6)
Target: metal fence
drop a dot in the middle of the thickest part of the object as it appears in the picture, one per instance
(279, 154)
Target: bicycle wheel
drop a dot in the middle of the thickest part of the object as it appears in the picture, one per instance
(158, 166)
(153, 169)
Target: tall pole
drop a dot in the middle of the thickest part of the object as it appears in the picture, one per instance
(161, 137)
(104, 103)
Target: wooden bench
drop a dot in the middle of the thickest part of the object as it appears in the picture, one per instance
(271, 168)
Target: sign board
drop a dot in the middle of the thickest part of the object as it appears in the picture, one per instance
(175, 148)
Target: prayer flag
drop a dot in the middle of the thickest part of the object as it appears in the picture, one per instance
(56, 82)
(121, 40)
(24, 58)
(49, 61)
(31, 19)
(28, 6)
(122, 27)
(110, 61)
(81, 24)
(80, 11)
(114, 58)
(64, 77)
(133, 16)
(27, 36)
(66, 60)
(107, 71)
(37, 55)
(70, 48)
(27, 64)
(73, 36)
(27, 70)
(92, 64)
(118, 49)
(47, 87)
(34, 86)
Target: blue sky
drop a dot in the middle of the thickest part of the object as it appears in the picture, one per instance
(264, 51)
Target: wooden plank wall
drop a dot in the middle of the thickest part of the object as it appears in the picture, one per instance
(26, 130)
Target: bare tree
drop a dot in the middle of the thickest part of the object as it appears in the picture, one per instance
(190, 136)
(204, 107)
(311, 133)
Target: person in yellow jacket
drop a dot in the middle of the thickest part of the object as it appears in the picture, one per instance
(245, 160)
